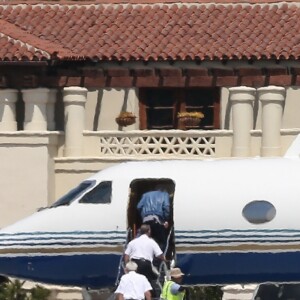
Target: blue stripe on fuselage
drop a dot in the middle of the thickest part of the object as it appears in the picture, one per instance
(93, 270)
(100, 270)
(250, 267)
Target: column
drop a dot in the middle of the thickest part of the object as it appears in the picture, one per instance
(51, 109)
(8, 99)
(35, 109)
(74, 99)
(242, 99)
(272, 99)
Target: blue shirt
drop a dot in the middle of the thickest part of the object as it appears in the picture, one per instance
(155, 203)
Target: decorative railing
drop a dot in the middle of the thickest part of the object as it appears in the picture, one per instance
(157, 143)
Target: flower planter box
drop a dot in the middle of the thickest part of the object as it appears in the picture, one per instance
(125, 121)
(190, 121)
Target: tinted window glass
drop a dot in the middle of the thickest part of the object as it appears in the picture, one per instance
(100, 194)
(259, 211)
(73, 194)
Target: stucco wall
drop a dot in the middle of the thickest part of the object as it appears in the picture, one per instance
(104, 105)
(292, 108)
(26, 176)
(290, 117)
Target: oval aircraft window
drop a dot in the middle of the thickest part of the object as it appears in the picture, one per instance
(259, 211)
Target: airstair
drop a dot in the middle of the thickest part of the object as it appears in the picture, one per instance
(162, 270)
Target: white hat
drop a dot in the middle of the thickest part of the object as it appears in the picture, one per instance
(131, 266)
(176, 273)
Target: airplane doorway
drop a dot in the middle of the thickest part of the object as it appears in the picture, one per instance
(137, 188)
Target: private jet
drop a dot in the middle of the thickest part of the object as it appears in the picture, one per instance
(232, 221)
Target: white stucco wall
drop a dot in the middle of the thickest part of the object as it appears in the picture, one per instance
(26, 176)
(104, 105)
(291, 110)
(290, 117)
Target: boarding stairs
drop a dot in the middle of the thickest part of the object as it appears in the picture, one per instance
(162, 270)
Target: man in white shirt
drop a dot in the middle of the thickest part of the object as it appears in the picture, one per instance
(133, 286)
(142, 250)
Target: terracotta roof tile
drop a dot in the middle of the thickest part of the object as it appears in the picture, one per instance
(145, 32)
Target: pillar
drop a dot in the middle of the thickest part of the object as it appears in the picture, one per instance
(272, 99)
(51, 109)
(74, 99)
(242, 99)
(8, 99)
(35, 109)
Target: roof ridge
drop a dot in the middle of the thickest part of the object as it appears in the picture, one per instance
(49, 48)
(150, 2)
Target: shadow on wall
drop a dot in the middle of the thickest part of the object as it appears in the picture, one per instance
(97, 110)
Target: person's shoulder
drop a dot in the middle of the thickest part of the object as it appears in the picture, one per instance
(124, 277)
(152, 240)
(131, 242)
(139, 275)
(143, 237)
(142, 278)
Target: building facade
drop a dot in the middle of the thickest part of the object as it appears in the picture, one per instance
(67, 71)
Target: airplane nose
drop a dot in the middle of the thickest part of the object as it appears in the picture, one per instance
(87, 259)
(13, 261)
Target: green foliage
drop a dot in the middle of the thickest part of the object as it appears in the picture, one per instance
(204, 293)
(39, 293)
(13, 290)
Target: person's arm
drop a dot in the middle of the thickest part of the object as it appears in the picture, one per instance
(141, 203)
(166, 206)
(161, 257)
(119, 296)
(126, 258)
(176, 288)
(181, 289)
(148, 295)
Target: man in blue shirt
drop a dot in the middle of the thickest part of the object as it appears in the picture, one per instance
(154, 208)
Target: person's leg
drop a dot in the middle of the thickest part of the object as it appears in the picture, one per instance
(157, 233)
(161, 236)
(145, 268)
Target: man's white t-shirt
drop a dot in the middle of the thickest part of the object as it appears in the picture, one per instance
(133, 286)
(143, 247)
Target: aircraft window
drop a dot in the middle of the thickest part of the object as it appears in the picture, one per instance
(100, 194)
(73, 194)
(259, 211)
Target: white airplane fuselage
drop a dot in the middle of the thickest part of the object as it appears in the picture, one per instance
(81, 244)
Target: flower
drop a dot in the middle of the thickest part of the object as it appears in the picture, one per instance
(190, 114)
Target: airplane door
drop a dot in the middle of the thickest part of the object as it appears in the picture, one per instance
(137, 188)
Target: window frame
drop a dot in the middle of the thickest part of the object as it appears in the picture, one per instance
(96, 189)
(180, 105)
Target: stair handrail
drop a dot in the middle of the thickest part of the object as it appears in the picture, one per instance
(168, 241)
(163, 267)
(121, 266)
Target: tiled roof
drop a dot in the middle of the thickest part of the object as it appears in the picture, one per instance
(143, 32)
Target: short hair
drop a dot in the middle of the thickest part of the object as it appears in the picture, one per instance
(160, 187)
(145, 228)
(131, 266)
